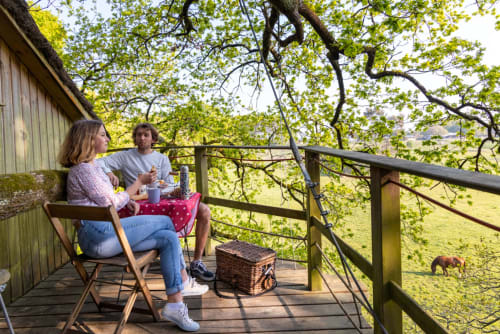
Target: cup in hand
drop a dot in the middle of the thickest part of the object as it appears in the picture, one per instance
(153, 195)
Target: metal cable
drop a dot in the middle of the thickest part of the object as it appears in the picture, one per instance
(444, 206)
(277, 258)
(257, 231)
(181, 156)
(347, 285)
(341, 174)
(338, 301)
(252, 160)
(307, 178)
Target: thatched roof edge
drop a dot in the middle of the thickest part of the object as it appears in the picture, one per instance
(18, 9)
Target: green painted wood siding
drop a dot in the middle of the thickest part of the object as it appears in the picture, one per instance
(32, 128)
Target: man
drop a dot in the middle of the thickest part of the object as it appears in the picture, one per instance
(140, 160)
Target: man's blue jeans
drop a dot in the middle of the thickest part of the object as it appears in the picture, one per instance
(98, 239)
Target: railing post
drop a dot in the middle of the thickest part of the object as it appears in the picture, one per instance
(386, 247)
(201, 168)
(313, 234)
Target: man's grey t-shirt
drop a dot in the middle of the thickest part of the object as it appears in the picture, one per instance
(132, 163)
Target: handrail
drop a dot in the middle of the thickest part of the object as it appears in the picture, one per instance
(244, 147)
(474, 180)
(384, 175)
(478, 181)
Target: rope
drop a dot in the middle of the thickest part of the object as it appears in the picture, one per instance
(307, 178)
(449, 208)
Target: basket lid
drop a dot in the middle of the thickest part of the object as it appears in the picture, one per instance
(247, 251)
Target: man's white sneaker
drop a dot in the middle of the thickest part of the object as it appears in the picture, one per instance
(181, 318)
(192, 288)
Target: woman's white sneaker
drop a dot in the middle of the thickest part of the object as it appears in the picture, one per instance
(192, 288)
(180, 317)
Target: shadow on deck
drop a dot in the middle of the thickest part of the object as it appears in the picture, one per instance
(290, 308)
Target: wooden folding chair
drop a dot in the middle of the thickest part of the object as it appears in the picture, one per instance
(137, 263)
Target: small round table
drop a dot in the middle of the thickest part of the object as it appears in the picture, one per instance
(182, 212)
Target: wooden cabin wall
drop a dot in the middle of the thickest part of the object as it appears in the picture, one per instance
(32, 128)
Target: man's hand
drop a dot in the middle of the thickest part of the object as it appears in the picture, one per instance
(115, 181)
(134, 207)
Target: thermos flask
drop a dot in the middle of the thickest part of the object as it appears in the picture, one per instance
(184, 182)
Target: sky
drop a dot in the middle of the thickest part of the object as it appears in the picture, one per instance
(481, 29)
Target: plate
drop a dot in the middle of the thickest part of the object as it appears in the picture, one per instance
(169, 188)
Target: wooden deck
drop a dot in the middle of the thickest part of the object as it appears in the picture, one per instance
(290, 308)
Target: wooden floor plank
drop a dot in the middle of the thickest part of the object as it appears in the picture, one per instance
(290, 308)
(338, 323)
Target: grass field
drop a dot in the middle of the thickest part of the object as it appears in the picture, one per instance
(447, 234)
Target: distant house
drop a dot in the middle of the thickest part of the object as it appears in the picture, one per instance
(38, 103)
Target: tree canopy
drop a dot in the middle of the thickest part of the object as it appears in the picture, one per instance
(331, 61)
(359, 75)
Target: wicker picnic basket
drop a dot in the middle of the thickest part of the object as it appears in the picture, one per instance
(245, 266)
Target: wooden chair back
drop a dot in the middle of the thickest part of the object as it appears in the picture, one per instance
(129, 261)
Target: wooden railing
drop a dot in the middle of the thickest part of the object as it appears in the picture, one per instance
(389, 298)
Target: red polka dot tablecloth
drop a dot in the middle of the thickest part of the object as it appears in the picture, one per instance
(182, 212)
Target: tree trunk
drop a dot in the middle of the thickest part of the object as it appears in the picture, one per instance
(23, 191)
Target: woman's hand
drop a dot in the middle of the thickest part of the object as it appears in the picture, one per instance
(142, 179)
(147, 178)
(115, 181)
(134, 207)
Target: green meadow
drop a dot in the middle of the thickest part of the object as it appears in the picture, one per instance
(446, 234)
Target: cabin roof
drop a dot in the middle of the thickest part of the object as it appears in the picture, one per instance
(39, 56)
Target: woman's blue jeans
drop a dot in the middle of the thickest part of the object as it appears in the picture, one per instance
(98, 239)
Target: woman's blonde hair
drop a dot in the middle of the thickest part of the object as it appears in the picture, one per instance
(79, 144)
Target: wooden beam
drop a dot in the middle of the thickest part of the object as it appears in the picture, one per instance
(359, 261)
(21, 192)
(30, 56)
(386, 247)
(270, 210)
(314, 256)
(474, 180)
(201, 168)
(423, 319)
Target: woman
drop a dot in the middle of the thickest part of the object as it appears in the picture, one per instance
(88, 185)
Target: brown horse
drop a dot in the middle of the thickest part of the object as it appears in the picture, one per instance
(445, 261)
